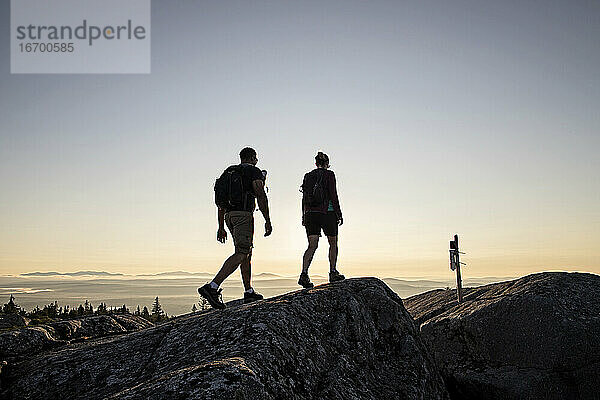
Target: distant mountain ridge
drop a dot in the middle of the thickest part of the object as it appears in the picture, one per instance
(104, 273)
(175, 273)
(426, 282)
(78, 273)
(159, 274)
(267, 275)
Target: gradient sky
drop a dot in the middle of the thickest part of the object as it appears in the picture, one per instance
(471, 117)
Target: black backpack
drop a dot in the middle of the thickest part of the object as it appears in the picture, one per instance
(313, 188)
(229, 189)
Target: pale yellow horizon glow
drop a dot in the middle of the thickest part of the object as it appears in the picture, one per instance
(382, 244)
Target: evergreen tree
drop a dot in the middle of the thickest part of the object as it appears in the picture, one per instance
(145, 313)
(51, 310)
(11, 307)
(157, 311)
(156, 307)
(137, 311)
(80, 310)
(194, 308)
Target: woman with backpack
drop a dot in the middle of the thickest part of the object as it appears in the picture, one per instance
(320, 211)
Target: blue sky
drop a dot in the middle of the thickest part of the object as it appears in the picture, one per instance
(477, 118)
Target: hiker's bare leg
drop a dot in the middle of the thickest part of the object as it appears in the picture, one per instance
(333, 252)
(246, 270)
(313, 243)
(228, 267)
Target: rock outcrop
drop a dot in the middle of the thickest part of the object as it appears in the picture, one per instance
(537, 337)
(26, 342)
(348, 340)
(11, 321)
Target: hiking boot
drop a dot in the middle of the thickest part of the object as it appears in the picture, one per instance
(212, 295)
(335, 276)
(304, 281)
(250, 297)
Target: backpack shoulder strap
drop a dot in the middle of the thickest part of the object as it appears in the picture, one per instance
(320, 175)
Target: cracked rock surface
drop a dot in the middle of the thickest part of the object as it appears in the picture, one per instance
(25, 342)
(347, 340)
(537, 337)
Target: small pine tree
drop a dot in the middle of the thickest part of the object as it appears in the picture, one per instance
(157, 311)
(137, 311)
(156, 307)
(51, 310)
(145, 313)
(80, 310)
(11, 307)
(194, 308)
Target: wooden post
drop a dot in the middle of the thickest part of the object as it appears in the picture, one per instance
(455, 265)
(458, 277)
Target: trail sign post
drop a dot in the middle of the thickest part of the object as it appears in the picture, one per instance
(455, 265)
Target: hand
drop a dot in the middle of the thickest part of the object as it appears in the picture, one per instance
(268, 228)
(340, 221)
(221, 235)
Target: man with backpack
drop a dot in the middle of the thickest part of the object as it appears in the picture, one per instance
(235, 193)
(320, 211)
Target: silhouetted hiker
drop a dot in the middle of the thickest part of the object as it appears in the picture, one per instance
(320, 210)
(235, 192)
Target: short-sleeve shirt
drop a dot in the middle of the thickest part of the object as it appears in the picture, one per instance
(249, 174)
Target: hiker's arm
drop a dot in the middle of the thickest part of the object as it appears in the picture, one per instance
(303, 206)
(303, 201)
(261, 197)
(263, 204)
(334, 198)
(221, 232)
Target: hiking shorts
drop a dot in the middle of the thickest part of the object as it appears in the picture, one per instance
(314, 221)
(241, 226)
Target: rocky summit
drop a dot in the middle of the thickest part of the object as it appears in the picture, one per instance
(537, 337)
(347, 340)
